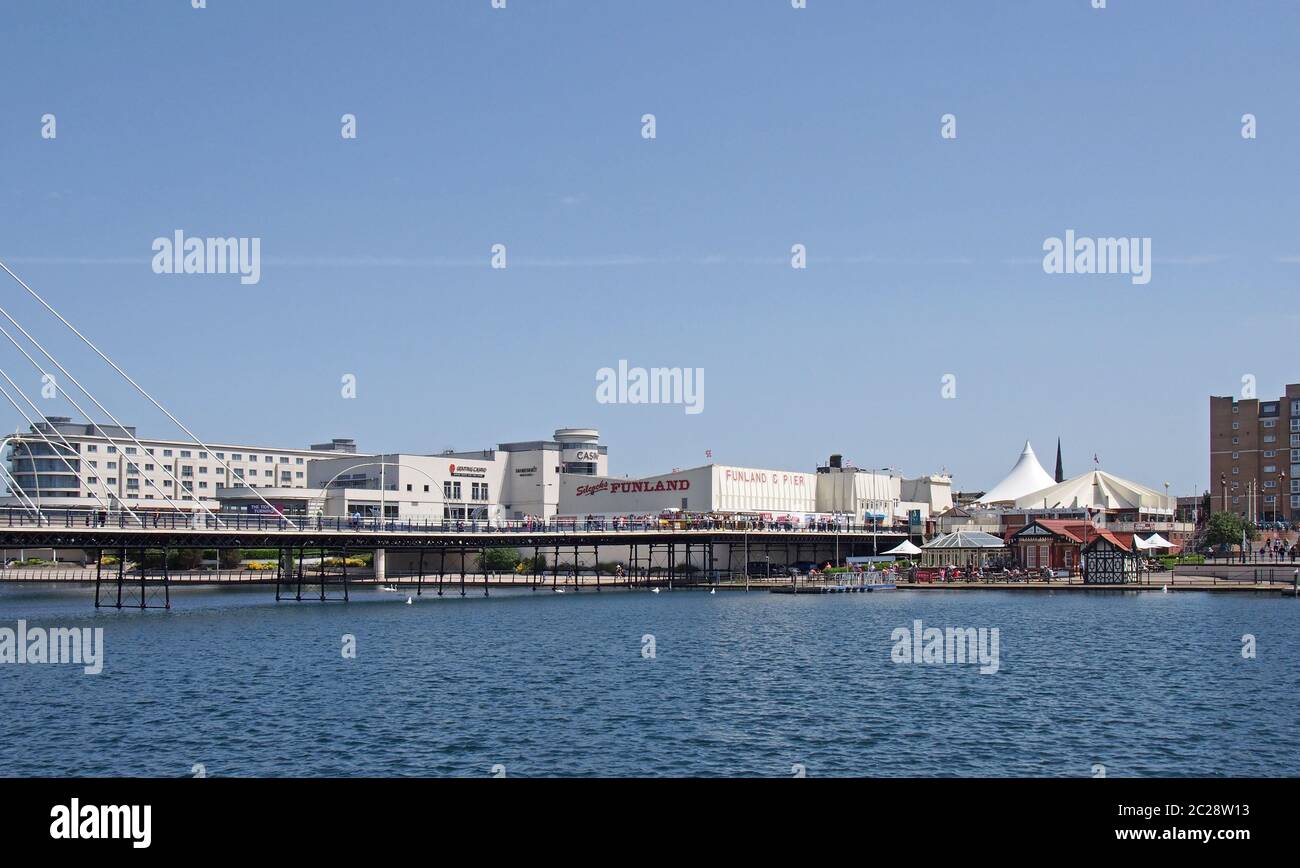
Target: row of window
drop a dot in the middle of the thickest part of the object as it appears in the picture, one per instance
(203, 456)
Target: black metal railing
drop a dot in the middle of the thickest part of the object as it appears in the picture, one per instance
(91, 519)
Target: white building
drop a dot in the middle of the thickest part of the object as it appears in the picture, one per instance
(61, 464)
(512, 481)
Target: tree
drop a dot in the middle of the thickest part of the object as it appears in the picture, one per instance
(230, 558)
(498, 560)
(1224, 528)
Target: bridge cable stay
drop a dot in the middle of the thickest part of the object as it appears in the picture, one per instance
(17, 487)
(138, 388)
(12, 482)
(79, 408)
(53, 449)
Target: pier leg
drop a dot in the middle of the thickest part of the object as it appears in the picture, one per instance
(99, 568)
(279, 573)
(167, 578)
(144, 571)
(345, 576)
(419, 580)
(462, 572)
(121, 567)
(597, 557)
(442, 568)
(380, 565)
(485, 572)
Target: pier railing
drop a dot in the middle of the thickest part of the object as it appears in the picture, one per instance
(81, 519)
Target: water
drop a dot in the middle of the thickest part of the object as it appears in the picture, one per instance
(742, 684)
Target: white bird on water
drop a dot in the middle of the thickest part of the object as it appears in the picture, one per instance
(408, 601)
(559, 590)
(654, 590)
(713, 590)
(1165, 589)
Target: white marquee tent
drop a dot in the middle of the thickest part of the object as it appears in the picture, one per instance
(1027, 476)
(1098, 489)
(904, 548)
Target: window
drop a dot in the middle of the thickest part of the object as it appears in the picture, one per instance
(148, 467)
(1236, 455)
(269, 459)
(1270, 468)
(112, 465)
(130, 450)
(167, 483)
(426, 488)
(203, 455)
(1236, 440)
(92, 480)
(236, 457)
(203, 469)
(1271, 453)
(250, 458)
(185, 453)
(112, 450)
(1270, 438)
(1270, 423)
(167, 453)
(408, 487)
(112, 480)
(298, 474)
(92, 448)
(221, 456)
(284, 459)
(203, 485)
(298, 461)
(1236, 426)
(1236, 470)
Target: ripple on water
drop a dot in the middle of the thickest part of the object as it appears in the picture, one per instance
(741, 684)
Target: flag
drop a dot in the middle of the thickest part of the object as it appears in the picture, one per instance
(708, 453)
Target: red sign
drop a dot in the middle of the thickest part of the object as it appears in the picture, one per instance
(633, 487)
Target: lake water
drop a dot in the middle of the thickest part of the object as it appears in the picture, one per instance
(1146, 684)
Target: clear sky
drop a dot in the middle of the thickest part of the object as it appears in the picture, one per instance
(775, 126)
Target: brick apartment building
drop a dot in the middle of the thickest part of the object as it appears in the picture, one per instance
(1255, 456)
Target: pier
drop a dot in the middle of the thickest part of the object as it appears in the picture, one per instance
(127, 560)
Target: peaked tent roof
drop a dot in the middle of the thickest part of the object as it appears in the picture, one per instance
(966, 539)
(906, 547)
(1096, 489)
(1027, 476)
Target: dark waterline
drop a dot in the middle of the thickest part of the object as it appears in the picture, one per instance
(1146, 684)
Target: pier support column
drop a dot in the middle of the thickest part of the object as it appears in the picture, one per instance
(381, 565)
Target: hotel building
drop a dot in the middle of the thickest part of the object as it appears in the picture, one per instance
(61, 464)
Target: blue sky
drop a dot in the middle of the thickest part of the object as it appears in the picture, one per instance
(775, 126)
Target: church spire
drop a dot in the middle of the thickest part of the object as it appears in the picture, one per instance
(1060, 471)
